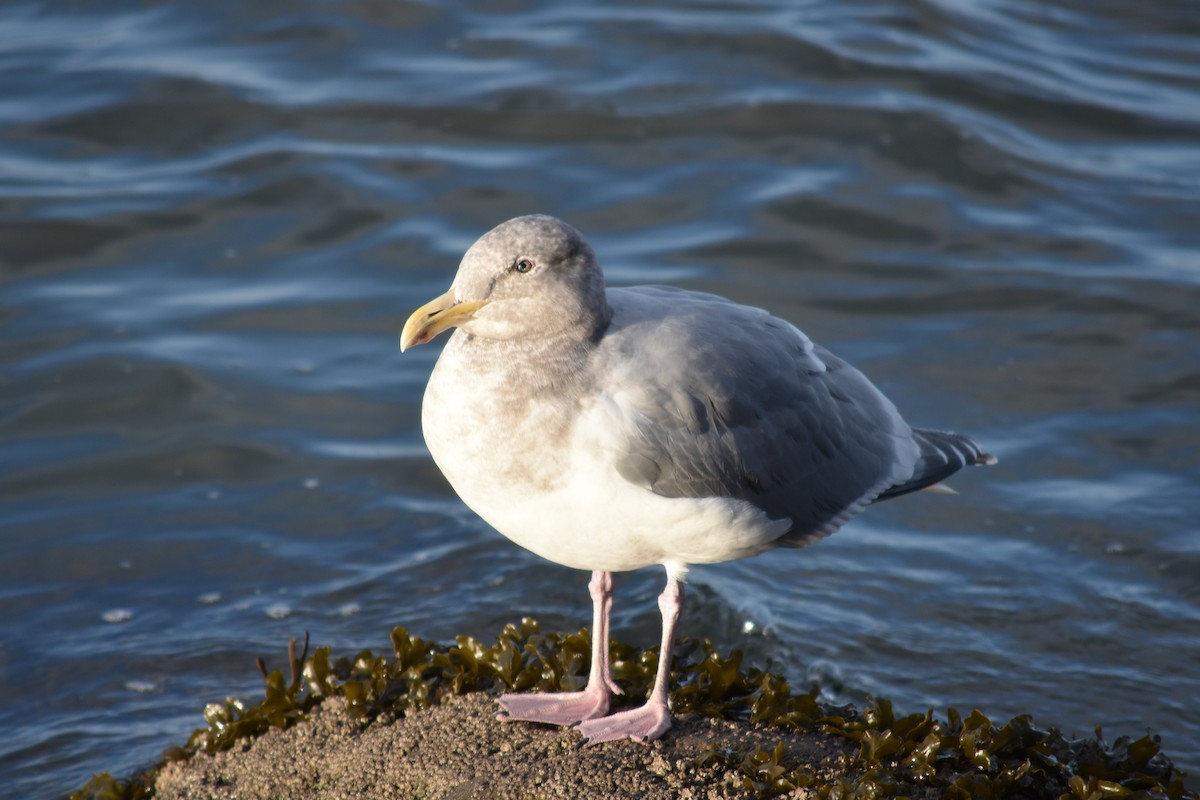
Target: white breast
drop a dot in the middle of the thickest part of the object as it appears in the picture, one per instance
(546, 480)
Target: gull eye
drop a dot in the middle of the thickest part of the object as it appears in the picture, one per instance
(523, 265)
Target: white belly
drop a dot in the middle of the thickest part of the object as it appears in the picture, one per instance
(553, 489)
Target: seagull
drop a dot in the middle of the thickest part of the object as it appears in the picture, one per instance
(614, 429)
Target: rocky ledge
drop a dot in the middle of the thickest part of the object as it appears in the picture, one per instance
(421, 723)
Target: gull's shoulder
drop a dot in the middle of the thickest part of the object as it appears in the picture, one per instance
(666, 331)
(635, 303)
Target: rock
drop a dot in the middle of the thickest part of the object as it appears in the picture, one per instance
(459, 751)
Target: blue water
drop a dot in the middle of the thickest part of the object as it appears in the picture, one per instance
(215, 217)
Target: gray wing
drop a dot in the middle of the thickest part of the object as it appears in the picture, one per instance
(722, 400)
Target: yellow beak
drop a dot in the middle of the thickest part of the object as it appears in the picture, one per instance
(437, 315)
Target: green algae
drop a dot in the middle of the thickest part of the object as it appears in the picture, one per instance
(913, 755)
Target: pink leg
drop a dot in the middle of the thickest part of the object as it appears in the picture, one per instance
(567, 708)
(601, 584)
(654, 718)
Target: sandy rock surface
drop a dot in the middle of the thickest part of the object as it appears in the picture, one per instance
(459, 751)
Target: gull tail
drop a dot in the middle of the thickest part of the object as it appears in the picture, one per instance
(942, 455)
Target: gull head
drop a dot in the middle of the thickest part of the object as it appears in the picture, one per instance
(532, 277)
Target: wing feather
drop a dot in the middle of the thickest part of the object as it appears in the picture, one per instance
(715, 399)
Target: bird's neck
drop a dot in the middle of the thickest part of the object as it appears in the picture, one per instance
(556, 363)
